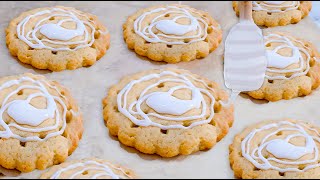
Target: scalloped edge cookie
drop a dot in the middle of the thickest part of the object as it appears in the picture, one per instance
(171, 53)
(275, 90)
(263, 18)
(172, 142)
(48, 174)
(244, 169)
(32, 155)
(56, 60)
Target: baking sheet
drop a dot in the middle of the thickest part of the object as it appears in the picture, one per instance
(89, 86)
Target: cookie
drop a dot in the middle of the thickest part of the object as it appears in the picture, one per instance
(39, 120)
(172, 33)
(287, 149)
(277, 13)
(92, 168)
(167, 112)
(57, 38)
(293, 68)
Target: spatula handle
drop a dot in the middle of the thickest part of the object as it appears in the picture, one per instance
(245, 8)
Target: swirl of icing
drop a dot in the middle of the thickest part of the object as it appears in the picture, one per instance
(55, 36)
(171, 32)
(24, 113)
(283, 151)
(278, 63)
(99, 170)
(275, 6)
(165, 104)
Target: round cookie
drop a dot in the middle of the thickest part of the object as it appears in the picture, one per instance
(57, 38)
(167, 112)
(293, 68)
(172, 33)
(285, 149)
(92, 168)
(40, 123)
(277, 13)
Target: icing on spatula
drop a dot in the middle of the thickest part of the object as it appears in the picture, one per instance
(245, 61)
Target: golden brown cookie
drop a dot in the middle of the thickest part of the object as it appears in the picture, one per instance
(39, 120)
(172, 33)
(285, 149)
(90, 168)
(293, 68)
(277, 13)
(167, 112)
(57, 38)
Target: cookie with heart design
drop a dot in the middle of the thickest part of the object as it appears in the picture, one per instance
(293, 68)
(277, 13)
(40, 123)
(167, 112)
(286, 149)
(90, 168)
(172, 33)
(57, 38)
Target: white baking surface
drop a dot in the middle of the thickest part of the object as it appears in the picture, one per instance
(89, 86)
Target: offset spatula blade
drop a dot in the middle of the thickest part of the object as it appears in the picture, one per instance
(245, 61)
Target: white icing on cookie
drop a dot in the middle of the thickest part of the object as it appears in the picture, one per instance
(165, 104)
(277, 63)
(172, 32)
(283, 150)
(24, 113)
(100, 170)
(275, 6)
(274, 2)
(55, 34)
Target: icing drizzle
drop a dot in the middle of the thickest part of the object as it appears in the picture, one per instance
(24, 113)
(278, 63)
(170, 31)
(100, 170)
(55, 36)
(284, 152)
(166, 105)
(275, 6)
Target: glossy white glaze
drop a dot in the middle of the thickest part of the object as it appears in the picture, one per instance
(56, 34)
(171, 31)
(16, 109)
(285, 150)
(277, 63)
(164, 105)
(275, 6)
(281, 147)
(102, 170)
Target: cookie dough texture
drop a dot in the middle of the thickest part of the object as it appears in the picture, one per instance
(278, 89)
(271, 19)
(244, 169)
(122, 172)
(62, 59)
(177, 52)
(31, 155)
(171, 142)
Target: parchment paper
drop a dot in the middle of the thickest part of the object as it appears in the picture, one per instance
(89, 86)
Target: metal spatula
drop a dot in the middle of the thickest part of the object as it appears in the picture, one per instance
(245, 59)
